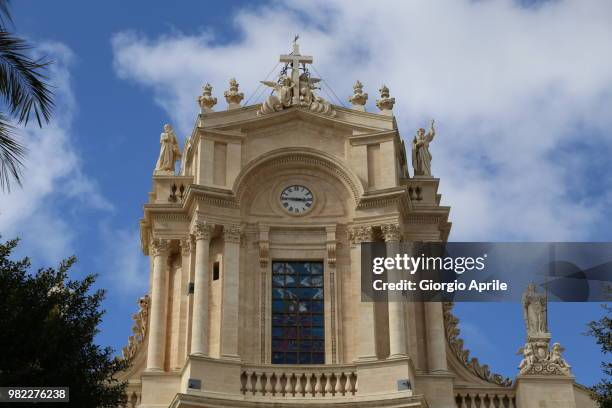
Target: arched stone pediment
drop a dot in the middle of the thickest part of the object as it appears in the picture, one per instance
(298, 158)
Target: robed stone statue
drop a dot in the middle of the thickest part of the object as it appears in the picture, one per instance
(169, 152)
(535, 312)
(421, 158)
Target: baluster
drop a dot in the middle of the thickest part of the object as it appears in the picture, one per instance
(274, 381)
(318, 388)
(283, 384)
(324, 380)
(258, 384)
(333, 381)
(293, 384)
(268, 388)
(511, 403)
(328, 385)
(301, 385)
(464, 403)
(485, 400)
(496, 401)
(339, 388)
(353, 383)
(243, 382)
(308, 386)
(253, 380)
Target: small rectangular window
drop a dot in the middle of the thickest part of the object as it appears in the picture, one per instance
(216, 271)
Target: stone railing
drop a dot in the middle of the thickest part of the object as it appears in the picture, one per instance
(334, 381)
(485, 399)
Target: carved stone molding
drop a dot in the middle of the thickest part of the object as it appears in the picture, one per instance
(159, 246)
(540, 360)
(331, 253)
(451, 326)
(391, 232)
(264, 251)
(139, 329)
(186, 246)
(202, 230)
(232, 233)
(360, 234)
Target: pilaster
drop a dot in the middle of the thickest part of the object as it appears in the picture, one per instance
(157, 327)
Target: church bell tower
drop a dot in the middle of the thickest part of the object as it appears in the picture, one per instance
(255, 256)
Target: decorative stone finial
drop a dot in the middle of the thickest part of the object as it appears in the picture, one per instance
(206, 100)
(358, 99)
(232, 96)
(538, 359)
(385, 103)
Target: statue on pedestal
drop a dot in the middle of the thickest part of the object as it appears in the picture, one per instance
(421, 158)
(538, 359)
(534, 312)
(169, 152)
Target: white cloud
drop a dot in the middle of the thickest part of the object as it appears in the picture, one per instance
(54, 183)
(512, 88)
(124, 266)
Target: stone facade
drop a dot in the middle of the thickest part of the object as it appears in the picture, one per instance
(214, 230)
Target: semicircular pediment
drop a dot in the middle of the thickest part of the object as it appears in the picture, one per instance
(297, 158)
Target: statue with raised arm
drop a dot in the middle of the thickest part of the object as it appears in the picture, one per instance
(534, 312)
(282, 96)
(169, 152)
(421, 158)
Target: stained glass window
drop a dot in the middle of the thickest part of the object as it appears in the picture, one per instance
(297, 313)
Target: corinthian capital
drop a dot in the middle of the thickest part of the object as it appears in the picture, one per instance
(202, 230)
(159, 246)
(360, 234)
(391, 232)
(186, 244)
(232, 233)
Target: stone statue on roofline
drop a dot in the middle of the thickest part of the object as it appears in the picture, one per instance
(538, 359)
(169, 152)
(294, 87)
(421, 157)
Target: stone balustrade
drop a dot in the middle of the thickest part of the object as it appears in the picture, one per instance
(485, 399)
(335, 381)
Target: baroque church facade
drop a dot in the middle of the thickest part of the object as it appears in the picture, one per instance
(255, 265)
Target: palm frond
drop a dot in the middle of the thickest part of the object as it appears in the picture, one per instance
(22, 85)
(11, 156)
(5, 14)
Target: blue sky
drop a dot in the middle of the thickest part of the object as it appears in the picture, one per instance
(521, 93)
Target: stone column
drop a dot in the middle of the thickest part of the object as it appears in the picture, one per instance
(397, 317)
(199, 330)
(181, 351)
(157, 325)
(231, 301)
(436, 337)
(365, 337)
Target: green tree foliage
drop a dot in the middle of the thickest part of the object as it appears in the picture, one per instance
(602, 331)
(48, 324)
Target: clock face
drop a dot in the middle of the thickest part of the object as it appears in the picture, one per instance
(296, 199)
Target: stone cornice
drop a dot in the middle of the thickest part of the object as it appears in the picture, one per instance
(373, 137)
(286, 115)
